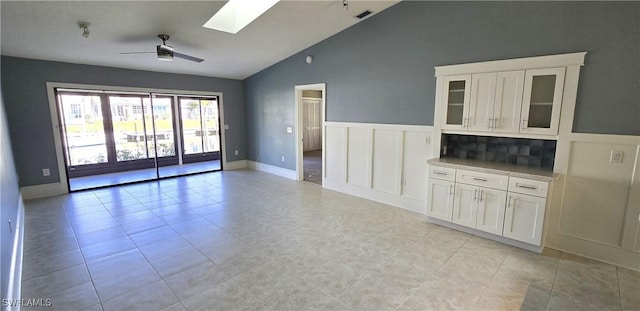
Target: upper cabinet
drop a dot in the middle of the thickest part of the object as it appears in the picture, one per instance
(517, 97)
(456, 101)
(542, 101)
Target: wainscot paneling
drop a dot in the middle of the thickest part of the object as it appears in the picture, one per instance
(596, 200)
(381, 162)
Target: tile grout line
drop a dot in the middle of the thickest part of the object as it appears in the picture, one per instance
(555, 276)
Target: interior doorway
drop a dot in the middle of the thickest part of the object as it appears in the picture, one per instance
(310, 111)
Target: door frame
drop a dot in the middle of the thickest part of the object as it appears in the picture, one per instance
(299, 125)
(62, 186)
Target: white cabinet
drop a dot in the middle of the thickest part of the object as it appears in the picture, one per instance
(506, 206)
(491, 207)
(483, 93)
(496, 102)
(519, 99)
(464, 205)
(542, 100)
(440, 199)
(456, 101)
(480, 200)
(440, 192)
(524, 217)
(508, 102)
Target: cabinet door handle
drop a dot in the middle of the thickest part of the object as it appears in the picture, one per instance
(525, 123)
(527, 187)
(511, 202)
(489, 126)
(480, 198)
(451, 190)
(479, 179)
(475, 195)
(495, 123)
(440, 173)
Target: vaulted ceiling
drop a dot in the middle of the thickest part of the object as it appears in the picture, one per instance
(49, 30)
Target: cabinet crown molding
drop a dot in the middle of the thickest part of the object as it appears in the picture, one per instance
(536, 62)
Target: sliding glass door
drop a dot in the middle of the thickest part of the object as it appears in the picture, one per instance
(115, 137)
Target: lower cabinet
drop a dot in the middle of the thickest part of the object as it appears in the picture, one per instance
(488, 202)
(524, 217)
(491, 205)
(479, 208)
(440, 199)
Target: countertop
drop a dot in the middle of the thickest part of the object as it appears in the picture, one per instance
(495, 168)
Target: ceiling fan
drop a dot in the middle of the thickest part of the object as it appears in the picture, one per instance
(167, 53)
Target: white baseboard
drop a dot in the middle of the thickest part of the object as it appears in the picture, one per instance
(396, 200)
(275, 170)
(15, 274)
(235, 165)
(43, 191)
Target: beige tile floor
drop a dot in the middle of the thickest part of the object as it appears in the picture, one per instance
(245, 240)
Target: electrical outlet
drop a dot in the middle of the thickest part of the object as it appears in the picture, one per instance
(46, 172)
(236, 152)
(427, 140)
(616, 156)
(282, 158)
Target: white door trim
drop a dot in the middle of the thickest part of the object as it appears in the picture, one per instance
(299, 124)
(62, 186)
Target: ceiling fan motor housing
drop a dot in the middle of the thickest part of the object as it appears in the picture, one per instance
(164, 53)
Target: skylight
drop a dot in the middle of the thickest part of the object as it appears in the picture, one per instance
(237, 14)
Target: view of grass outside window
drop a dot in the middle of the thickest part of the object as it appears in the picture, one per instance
(199, 125)
(84, 126)
(133, 127)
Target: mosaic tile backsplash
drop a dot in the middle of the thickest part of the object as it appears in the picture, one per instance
(519, 151)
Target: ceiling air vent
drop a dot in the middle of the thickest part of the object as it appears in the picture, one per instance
(363, 14)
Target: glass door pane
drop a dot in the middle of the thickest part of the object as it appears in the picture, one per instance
(200, 133)
(455, 102)
(83, 126)
(129, 127)
(542, 92)
(210, 125)
(162, 122)
(191, 126)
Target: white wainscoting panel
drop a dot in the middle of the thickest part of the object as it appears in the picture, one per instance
(596, 192)
(359, 157)
(335, 153)
(595, 203)
(386, 160)
(381, 162)
(417, 150)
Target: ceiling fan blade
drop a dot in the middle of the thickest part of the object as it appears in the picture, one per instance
(188, 57)
(137, 53)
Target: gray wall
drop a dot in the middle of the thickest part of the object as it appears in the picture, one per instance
(381, 70)
(9, 201)
(27, 106)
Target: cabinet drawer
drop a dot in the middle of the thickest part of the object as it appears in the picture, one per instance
(499, 182)
(527, 186)
(443, 173)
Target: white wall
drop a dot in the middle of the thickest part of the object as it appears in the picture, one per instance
(381, 162)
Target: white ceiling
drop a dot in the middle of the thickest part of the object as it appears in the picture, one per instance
(49, 30)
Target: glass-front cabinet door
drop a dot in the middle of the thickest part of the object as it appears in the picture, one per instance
(542, 100)
(456, 99)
